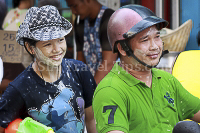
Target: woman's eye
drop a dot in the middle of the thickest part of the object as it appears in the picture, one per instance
(47, 44)
(61, 40)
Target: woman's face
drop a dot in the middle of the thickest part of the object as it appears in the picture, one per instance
(50, 52)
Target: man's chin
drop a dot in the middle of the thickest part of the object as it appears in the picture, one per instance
(153, 64)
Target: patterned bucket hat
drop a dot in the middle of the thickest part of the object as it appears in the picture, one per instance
(42, 24)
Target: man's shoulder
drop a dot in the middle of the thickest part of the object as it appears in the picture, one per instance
(111, 80)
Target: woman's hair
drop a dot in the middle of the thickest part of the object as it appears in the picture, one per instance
(31, 43)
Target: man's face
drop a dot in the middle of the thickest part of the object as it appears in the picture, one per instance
(78, 7)
(147, 46)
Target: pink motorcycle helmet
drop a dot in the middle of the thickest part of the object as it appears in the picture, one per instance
(128, 21)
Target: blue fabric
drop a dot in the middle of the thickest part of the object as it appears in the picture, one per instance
(92, 48)
(59, 105)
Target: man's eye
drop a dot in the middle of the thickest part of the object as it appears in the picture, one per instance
(157, 36)
(144, 40)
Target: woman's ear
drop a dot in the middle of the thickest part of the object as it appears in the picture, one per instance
(120, 49)
(29, 48)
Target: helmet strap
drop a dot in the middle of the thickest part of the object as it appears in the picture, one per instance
(130, 52)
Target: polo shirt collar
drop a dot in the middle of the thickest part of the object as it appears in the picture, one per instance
(127, 77)
(156, 73)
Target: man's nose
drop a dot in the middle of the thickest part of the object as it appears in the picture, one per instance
(154, 45)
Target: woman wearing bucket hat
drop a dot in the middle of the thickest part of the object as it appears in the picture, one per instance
(54, 91)
(135, 97)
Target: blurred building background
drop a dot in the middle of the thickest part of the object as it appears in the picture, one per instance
(176, 12)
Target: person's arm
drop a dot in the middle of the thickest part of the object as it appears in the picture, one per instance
(196, 117)
(108, 61)
(191, 107)
(110, 109)
(89, 120)
(80, 56)
(2, 130)
(4, 84)
(108, 58)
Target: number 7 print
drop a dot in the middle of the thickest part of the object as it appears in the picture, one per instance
(112, 112)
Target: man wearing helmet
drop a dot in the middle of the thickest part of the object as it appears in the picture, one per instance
(136, 97)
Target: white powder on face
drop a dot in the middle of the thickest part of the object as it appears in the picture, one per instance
(42, 58)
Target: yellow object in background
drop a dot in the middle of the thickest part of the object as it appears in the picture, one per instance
(187, 70)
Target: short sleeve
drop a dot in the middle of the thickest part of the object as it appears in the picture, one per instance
(110, 110)
(12, 106)
(187, 104)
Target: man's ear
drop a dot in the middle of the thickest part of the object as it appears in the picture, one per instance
(120, 49)
(29, 48)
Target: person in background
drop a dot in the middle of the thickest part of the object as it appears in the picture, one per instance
(13, 20)
(11, 23)
(10, 70)
(55, 3)
(90, 28)
(16, 15)
(3, 11)
(54, 91)
(135, 97)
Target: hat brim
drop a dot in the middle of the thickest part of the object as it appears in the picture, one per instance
(144, 24)
(46, 32)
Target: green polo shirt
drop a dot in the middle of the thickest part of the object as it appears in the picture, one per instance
(121, 102)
